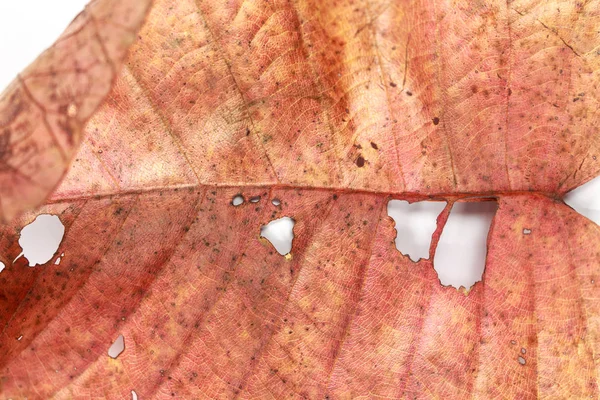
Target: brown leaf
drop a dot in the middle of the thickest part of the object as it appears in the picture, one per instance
(43, 112)
(334, 108)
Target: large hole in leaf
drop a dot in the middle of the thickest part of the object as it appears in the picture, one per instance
(460, 254)
(134, 395)
(41, 238)
(280, 233)
(117, 347)
(415, 224)
(584, 199)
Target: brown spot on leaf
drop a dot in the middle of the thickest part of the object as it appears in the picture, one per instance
(360, 161)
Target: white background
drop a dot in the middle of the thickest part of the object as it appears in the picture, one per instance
(27, 27)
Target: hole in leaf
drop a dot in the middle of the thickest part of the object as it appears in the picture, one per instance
(526, 231)
(280, 232)
(254, 199)
(117, 347)
(276, 202)
(237, 200)
(460, 254)
(41, 238)
(521, 360)
(584, 199)
(57, 262)
(134, 395)
(415, 224)
(2, 266)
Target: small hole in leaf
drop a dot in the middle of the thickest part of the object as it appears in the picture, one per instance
(134, 395)
(526, 231)
(254, 199)
(280, 233)
(523, 350)
(237, 200)
(117, 347)
(2, 266)
(460, 254)
(415, 224)
(41, 238)
(276, 202)
(522, 360)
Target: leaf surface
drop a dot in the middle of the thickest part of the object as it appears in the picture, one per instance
(43, 112)
(334, 108)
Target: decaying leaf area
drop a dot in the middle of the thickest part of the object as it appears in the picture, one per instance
(145, 120)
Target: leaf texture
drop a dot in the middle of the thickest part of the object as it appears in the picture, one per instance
(334, 108)
(43, 112)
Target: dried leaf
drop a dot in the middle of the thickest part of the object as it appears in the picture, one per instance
(43, 112)
(333, 109)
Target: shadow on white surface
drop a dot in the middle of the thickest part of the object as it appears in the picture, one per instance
(415, 224)
(280, 232)
(27, 28)
(461, 252)
(586, 199)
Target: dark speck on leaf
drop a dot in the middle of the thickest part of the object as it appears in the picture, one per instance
(360, 161)
(374, 145)
(392, 84)
(408, 93)
(436, 120)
